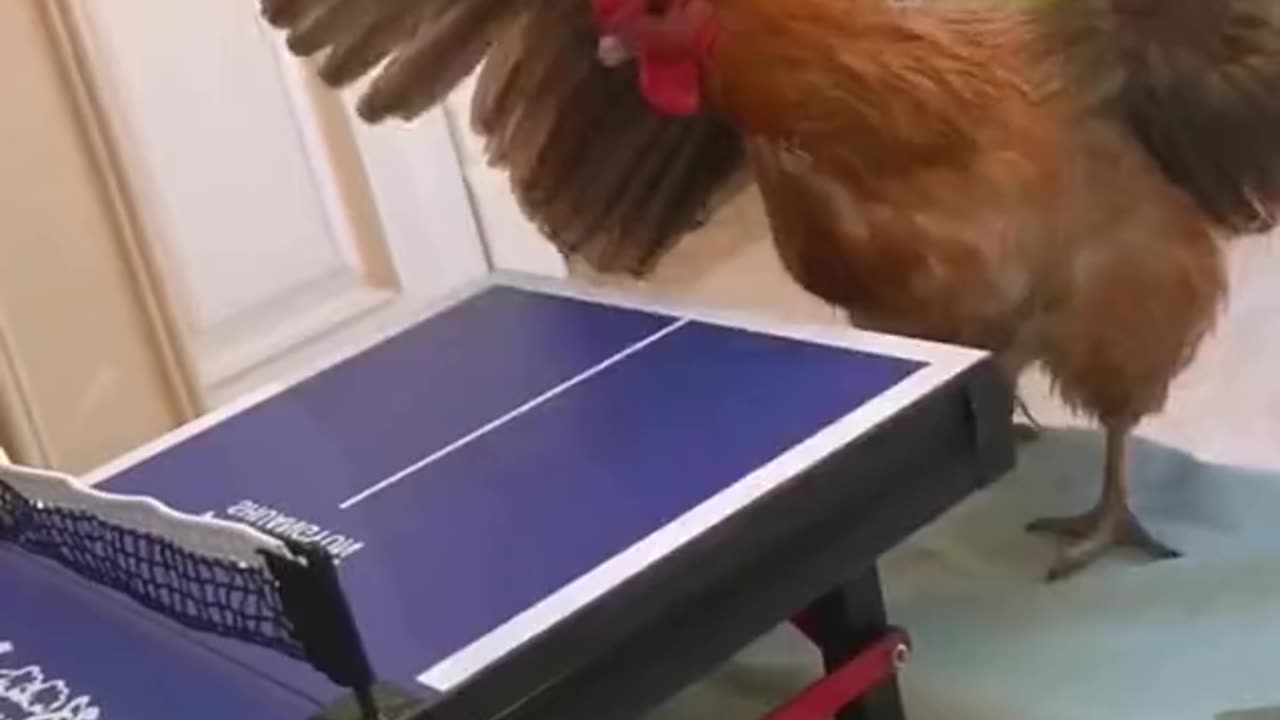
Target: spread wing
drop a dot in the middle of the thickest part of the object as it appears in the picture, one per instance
(604, 176)
(1197, 81)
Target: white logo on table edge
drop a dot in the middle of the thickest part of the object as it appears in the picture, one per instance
(28, 691)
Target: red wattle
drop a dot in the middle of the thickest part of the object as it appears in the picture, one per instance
(671, 85)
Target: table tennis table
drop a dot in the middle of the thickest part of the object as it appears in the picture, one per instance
(542, 501)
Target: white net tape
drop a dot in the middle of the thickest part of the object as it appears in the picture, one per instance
(208, 574)
(204, 535)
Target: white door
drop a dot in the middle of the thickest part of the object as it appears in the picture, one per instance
(282, 226)
(190, 216)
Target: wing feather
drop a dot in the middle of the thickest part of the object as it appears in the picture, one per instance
(604, 176)
(1197, 81)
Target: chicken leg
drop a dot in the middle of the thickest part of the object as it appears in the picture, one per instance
(1111, 523)
(1030, 430)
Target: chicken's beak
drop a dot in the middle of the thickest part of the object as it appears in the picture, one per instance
(612, 51)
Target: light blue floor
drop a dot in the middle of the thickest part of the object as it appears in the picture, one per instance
(1191, 639)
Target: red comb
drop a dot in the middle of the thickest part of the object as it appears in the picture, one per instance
(608, 12)
(667, 60)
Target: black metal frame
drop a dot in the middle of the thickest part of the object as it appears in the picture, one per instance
(847, 620)
(323, 623)
(819, 536)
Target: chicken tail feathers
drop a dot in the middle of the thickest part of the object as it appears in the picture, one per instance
(604, 176)
(1198, 82)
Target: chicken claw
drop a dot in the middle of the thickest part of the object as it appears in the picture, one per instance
(1094, 533)
(1110, 524)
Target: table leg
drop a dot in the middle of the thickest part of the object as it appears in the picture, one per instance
(843, 623)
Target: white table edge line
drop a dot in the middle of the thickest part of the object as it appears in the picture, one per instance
(588, 587)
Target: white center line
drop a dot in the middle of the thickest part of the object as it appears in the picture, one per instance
(489, 427)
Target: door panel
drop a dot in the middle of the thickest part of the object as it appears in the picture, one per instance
(215, 131)
(196, 217)
(278, 217)
(85, 368)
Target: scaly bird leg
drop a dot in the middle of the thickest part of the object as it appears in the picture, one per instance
(1109, 524)
(1030, 430)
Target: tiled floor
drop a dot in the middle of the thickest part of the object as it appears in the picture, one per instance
(1226, 407)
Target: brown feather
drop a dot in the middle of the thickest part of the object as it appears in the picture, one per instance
(444, 50)
(918, 171)
(326, 24)
(355, 55)
(599, 171)
(949, 84)
(1199, 85)
(285, 13)
(497, 84)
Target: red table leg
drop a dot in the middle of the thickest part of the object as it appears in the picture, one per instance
(848, 683)
(861, 654)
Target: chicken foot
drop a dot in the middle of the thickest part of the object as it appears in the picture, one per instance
(1111, 523)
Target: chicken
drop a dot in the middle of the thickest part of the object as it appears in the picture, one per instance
(1053, 181)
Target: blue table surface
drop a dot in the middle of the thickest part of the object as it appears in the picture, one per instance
(69, 652)
(455, 548)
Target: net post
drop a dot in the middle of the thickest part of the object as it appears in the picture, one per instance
(325, 626)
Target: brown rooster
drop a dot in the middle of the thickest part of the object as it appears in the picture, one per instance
(1050, 182)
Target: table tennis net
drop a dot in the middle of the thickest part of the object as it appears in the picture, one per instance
(209, 575)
